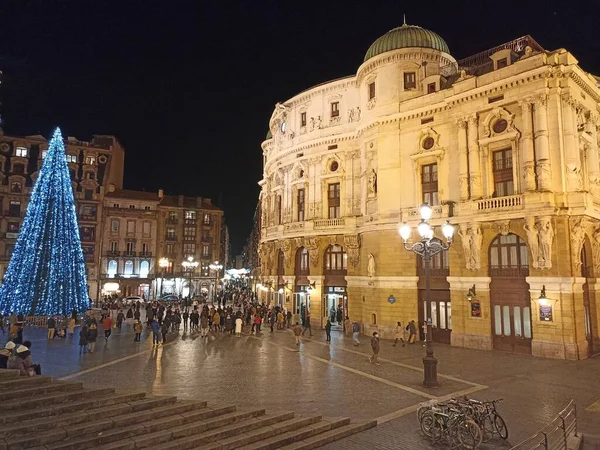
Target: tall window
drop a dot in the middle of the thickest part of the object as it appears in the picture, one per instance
(333, 200)
(21, 152)
(169, 249)
(205, 251)
(429, 184)
(144, 269)
(303, 119)
(278, 209)
(14, 208)
(91, 160)
(301, 205)
(145, 248)
(191, 215)
(431, 88)
(189, 249)
(130, 227)
(114, 246)
(508, 256)
(114, 227)
(146, 229)
(503, 173)
(206, 219)
(410, 80)
(280, 263)
(302, 267)
(128, 268)
(18, 169)
(335, 259)
(112, 268)
(189, 233)
(130, 247)
(335, 109)
(88, 194)
(171, 233)
(371, 90)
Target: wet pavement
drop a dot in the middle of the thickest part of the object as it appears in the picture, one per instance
(330, 379)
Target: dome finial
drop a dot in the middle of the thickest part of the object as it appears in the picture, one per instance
(404, 20)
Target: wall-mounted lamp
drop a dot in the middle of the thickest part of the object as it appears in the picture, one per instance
(543, 300)
(471, 294)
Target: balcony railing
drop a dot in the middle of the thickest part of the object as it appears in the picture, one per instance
(437, 212)
(145, 254)
(129, 253)
(508, 202)
(207, 239)
(87, 217)
(170, 237)
(172, 220)
(509, 272)
(10, 213)
(113, 253)
(329, 223)
(190, 221)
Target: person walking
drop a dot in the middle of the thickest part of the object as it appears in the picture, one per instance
(204, 326)
(185, 316)
(92, 336)
(238, 326)
(399, 334)
(120, 318)
(71, 327)
(374, 348)
(51, 327)
(83, 342)
(307, 325)
(288, 316)
(257, 322)
(412, 332)
(137, 329)
(129, 317)
(297, 332)
(328, 330)
(355, 333)
(280, 319)
(272, 320)
(107, 324)
(155, 327)
(164, 329)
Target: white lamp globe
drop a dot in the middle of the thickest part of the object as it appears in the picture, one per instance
(425, 211)
(404, 231)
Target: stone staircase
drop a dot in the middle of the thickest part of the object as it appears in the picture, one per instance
(44, 414)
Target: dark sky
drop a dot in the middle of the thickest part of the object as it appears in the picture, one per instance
(189, 86)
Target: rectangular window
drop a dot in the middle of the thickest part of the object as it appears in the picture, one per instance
(21, 152)
(90, 160)
(371, 90)
(497, 321)
(503, 173)
(189, 233)
(130, 247)
(278, 209)
(333, 200)
(206, 219)
(205, 251)
(190, 215)
(88, 194)
(145, 248)
(301, 204)
(526, 322)
(506, 320)
(18, 169)
(502, 63)
(146, 229)
(114, 227)
(169, 249)
(303, 119)
(87, 233)
(429, 184)
(335, 109)
(171, 233)
(410, 80)
(14, 209)
(431, 88)
(130, 227)
(147, 208)
(71, 158)
(189, 250)
(517, 320)
(114, 246)
(87, 212)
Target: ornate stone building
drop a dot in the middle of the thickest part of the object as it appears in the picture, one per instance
(92, 164)
(504, 144)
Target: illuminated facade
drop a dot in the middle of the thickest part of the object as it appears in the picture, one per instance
(504, 144)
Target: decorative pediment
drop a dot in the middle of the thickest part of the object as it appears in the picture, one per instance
(334, 165)
(278, 117)
(299, 172)
(428, 144)
(499, 122)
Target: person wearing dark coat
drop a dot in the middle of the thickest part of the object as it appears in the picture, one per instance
(83, 340)
(328, 330)
(92, 336)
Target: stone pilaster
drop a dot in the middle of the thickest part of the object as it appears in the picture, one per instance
(474, 159)
(572, 159)
(527, 141)
(542, 147)
(463, 163)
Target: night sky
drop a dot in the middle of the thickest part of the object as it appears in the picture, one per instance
(188, 86)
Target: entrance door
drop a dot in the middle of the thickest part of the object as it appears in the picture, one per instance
(511, 322)
(588, 320)
(441, 315)
(335, 307)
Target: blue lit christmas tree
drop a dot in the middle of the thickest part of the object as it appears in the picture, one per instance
(46, 274)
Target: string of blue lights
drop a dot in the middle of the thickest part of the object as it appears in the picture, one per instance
(46, 274)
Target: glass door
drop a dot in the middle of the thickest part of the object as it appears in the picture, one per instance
(511, 325)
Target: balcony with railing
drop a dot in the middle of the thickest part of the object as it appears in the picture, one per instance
(170, 237)
(129, 253)
(338, 222)
(145, 254)
(113, 253)
(510, 202)
(172, 221)
(509, 271)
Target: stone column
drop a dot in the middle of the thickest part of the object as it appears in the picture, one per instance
(474, 162)
(527, 140)
(592, 155)
(463, 163)
(542, 147)
(572, 159)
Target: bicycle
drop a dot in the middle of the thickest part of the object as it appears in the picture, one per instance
(452, 425)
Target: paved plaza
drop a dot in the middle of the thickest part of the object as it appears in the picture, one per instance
(332, 379)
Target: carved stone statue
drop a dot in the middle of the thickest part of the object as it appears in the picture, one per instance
(546, 236)
(357, 113)
(371, 266)
(372, 183)
(318, 122)
(577, 237)
(574, 180)
(532, 240)
(465, 240)
(312, 123)
(351, 115)
(597, 249)
(475, 241)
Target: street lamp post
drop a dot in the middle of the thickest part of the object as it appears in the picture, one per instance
(216, 267)
(427, 247)
(163, 263)
(189, 265)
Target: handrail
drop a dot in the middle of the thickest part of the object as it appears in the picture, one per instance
(556, 434)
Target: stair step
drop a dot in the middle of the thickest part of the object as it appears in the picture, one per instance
(260, 434)
(333, 435)
(35, 391)
(11, 383)
(69, 407)
(193, 434)
(54, 398)
(6, 374)
(299, 434)
(162, 411)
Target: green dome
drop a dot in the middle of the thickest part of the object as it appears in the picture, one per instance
(407, 36)
(269, 135)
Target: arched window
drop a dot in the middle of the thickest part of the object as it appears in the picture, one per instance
(16, 187)
(128, 268)
(335, 260)
(508, 257)
(112, 268)
(302, 268)
(144, 269)
(280, 263)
